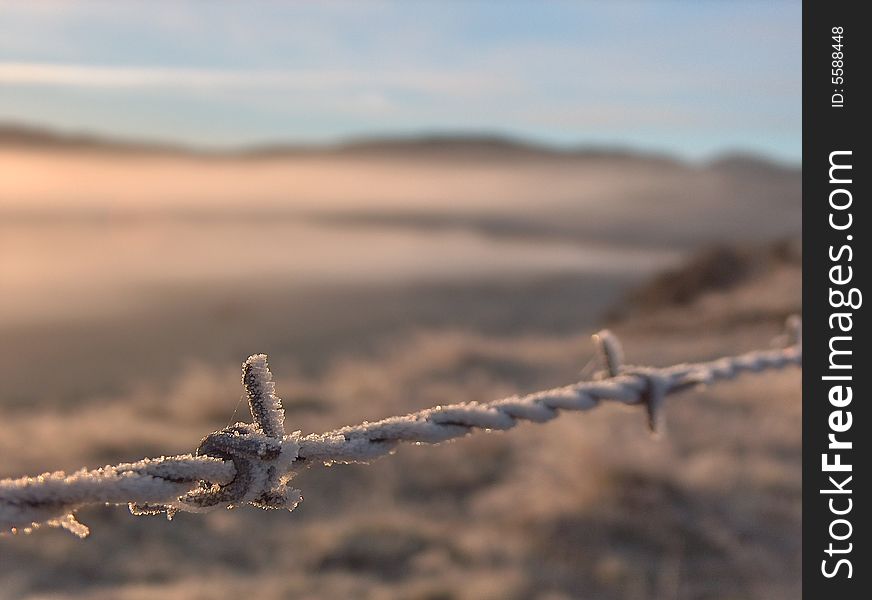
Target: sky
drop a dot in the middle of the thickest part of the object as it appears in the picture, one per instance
(694, 79)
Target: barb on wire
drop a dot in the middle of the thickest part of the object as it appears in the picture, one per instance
(611, 356)
(252, 463)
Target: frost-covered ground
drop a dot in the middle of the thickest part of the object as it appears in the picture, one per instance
(587, 506)
(96, 369)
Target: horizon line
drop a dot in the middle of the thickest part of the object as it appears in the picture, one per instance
(45, 134)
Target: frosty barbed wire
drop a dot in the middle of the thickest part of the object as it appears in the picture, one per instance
(254, 462)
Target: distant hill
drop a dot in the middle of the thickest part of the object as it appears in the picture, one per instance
(24, 136)
(480, 184)
(462, 146)
(429, 146)
(743, 163)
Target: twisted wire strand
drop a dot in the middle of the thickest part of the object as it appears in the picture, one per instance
(253, 462)
(632, 386)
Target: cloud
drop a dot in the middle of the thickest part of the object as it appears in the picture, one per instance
(90, 76)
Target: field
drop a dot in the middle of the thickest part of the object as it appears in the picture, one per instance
(382, 278)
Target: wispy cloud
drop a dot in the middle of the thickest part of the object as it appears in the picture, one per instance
(87, 76)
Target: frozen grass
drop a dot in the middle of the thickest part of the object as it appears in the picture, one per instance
(583, 507)
(138, 270)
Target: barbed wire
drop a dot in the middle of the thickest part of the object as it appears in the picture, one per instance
(254, 462)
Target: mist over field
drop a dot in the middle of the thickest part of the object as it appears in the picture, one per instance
(384, 276)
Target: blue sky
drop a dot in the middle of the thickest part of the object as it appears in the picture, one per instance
(690, 78)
